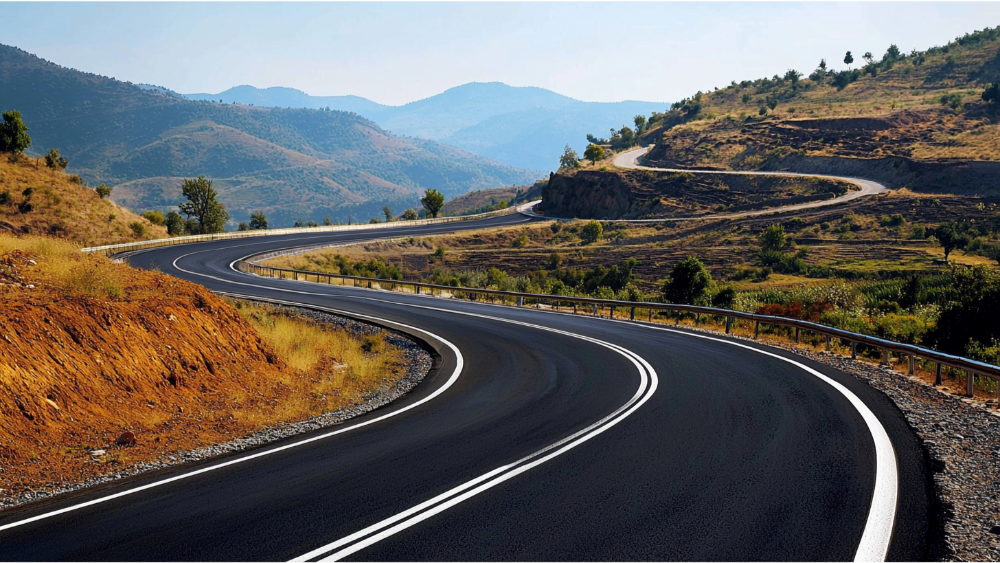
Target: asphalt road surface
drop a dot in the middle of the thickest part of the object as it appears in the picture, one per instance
(630, 160)
(537, 436)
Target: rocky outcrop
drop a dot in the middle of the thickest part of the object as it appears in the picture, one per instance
(641, 194)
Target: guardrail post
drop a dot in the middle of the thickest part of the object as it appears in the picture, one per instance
(937, 378)
(595, 310)
(756, 329)
(416, 289)
(970, 381)
(729, 324)
(796, 335)
(885, 357)
(369, 284)
(854, 350)
(574, 307)
(520, 301)
(911, 364)
(632, 314)
(827, 342)
(650, 314)
(612, 311)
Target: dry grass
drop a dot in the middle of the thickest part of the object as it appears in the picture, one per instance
(340, 368)
(64, 208)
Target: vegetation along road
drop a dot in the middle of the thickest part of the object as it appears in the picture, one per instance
(537, 435)
(630, 160)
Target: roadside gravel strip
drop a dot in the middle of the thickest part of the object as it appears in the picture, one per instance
(418, 362)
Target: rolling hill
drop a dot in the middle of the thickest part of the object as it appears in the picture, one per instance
(916, 120)
(519, 126)
(291, 163)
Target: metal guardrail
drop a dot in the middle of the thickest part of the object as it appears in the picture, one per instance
(111, 249)
(971, 367)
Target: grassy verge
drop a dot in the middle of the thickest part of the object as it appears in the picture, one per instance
(333, 367)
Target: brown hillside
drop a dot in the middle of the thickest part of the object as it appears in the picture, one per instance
(920, 113)
(90, 349)
(63, 207)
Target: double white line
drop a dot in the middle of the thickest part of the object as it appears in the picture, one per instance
(377, 532)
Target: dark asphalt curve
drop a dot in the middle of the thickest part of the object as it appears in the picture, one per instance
(735, 455)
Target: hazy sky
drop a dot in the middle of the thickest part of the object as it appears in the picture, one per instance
(400, 52)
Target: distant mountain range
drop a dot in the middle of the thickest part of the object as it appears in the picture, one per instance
(525, 127)
(291, 163)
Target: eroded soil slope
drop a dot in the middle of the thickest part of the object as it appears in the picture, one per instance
(93, 352)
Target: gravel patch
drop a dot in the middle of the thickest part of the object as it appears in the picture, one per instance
(417, 360)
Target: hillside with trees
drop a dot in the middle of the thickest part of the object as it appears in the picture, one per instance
(291, 163)
(925, 119)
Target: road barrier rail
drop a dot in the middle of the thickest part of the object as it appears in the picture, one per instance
(112, 249)
(854, 339)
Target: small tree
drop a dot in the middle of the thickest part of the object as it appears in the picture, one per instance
(432, 201)
(203, 206)
(822, 65)
(175, 224)
(387, 212)
(258, 221)
(138, 229)
(569, 159)
(594, 153)
(991, 95)
(13, 133)
(243, 226)
(793, 76)
(103, 191)
(868, 57)
(640, 124)
(56, 161)
(688, 283)
(409, 215)
(848, 59)
(892, 53)
(746, 97)
(772, 239)
(772, 103)
(951, 236)
(592, 232)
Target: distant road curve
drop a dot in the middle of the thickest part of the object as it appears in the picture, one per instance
(630, 160)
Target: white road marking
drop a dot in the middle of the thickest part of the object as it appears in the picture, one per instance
(877, 535)
(431, 336)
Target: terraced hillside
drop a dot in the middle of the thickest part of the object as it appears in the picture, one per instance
(918, 120)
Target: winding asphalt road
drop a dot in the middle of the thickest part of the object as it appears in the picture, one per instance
(537, 436)
(630, 160)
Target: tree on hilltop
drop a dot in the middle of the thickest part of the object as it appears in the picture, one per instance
(793, 76)
(569, 159)
(848, 59)
(55, 160)
(594, 153)
(203, 206)
(103, 190)
(868, 57)
(432, 201)
(640, 124)
(13, 133)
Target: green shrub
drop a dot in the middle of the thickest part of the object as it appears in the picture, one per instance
(138, 229)
(154, 217)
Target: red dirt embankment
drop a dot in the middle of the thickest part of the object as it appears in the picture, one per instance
(90, 350)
